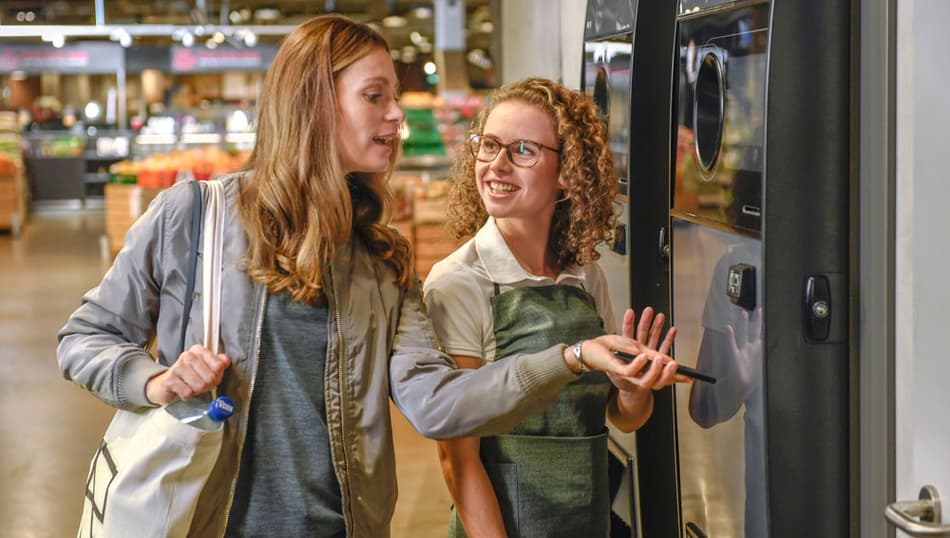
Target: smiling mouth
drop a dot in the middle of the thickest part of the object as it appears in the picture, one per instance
(384, 140)
(501, 188)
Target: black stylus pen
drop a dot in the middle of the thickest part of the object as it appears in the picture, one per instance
(680, 369)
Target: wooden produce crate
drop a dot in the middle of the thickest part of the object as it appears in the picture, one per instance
(433, 242)
(12, 201)
(124, 204)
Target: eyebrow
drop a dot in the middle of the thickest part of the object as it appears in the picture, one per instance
(518, 139)
(383, 81)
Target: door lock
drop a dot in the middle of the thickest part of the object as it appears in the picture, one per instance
(817, 308)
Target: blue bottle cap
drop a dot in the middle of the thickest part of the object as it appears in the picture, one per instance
(220, 409)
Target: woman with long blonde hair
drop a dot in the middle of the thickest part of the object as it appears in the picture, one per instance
(321, 317)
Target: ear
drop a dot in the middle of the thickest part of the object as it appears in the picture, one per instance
(561, 182)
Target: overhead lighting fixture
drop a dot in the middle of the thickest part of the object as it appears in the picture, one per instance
(425, 47)
(429, 68)
(235, 17)
(211, 43)
(422, 12)
(218, 37)
(187, 39)
(122, 36)
(92, 110)
(266, 14)
(250, 39)
(394, 21)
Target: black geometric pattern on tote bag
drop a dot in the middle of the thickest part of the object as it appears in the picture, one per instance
(102, 456)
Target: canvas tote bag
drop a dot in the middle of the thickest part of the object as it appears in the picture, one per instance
(145, 479)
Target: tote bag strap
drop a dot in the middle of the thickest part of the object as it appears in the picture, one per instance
(192, 263)
(212, 263)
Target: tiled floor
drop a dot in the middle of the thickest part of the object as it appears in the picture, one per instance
(49, 428)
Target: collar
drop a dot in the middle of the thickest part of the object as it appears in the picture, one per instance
(501, 265)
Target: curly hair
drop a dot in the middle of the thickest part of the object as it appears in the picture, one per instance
(296, 204)
(586, 218)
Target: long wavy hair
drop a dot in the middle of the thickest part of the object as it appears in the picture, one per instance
(296, 204)
(585, 218)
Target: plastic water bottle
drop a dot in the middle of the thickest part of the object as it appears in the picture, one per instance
(201, 414)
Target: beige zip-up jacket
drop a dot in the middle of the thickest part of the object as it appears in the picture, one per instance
(381, 345)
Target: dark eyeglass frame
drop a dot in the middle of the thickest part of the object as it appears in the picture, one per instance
(475, 145)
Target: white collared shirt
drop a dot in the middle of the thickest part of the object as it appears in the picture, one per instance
(459, 288)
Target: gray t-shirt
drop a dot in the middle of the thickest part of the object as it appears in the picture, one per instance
(286, 485)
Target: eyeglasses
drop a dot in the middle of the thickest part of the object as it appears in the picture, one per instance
(523, 153)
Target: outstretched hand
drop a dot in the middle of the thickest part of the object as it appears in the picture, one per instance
(196, 371)
(648, 332)
(597, 354)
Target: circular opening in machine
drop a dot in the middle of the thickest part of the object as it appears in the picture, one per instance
(708, 111)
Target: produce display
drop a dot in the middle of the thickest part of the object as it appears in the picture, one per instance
(162, 170)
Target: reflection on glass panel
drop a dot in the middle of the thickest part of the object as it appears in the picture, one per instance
(720, 426)
(722, 79)
(607, 79)
(687, 7)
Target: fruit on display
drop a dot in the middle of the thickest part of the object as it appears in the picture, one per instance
(163, 169)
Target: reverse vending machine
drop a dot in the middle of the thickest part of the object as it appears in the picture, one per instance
(737, 206)
(628, 76)
(759, 268)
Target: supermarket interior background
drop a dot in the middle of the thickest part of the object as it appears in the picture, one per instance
(792, 143)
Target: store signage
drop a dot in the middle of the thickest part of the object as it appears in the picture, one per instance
(77, 58)
(201, 60)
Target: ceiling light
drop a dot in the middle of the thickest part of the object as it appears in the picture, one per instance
(429, 68)
(234, 17)
(425, 47)
(211, 43)
(250, 39)
(58, 41)
(92, 110)
(422, 12)
(266, 14)
(218, 37)
(187, 39)
(394, 21)
(30, 16)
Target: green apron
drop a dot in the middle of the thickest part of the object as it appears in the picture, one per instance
(550, 473)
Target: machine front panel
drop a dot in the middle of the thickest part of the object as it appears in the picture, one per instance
(717, 305)
(720, 148)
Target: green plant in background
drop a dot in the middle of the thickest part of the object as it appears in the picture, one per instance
(424, 136)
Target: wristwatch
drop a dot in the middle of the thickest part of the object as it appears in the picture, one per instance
(577, 357)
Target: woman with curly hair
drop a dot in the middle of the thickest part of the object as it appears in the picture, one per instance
(536, 187)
